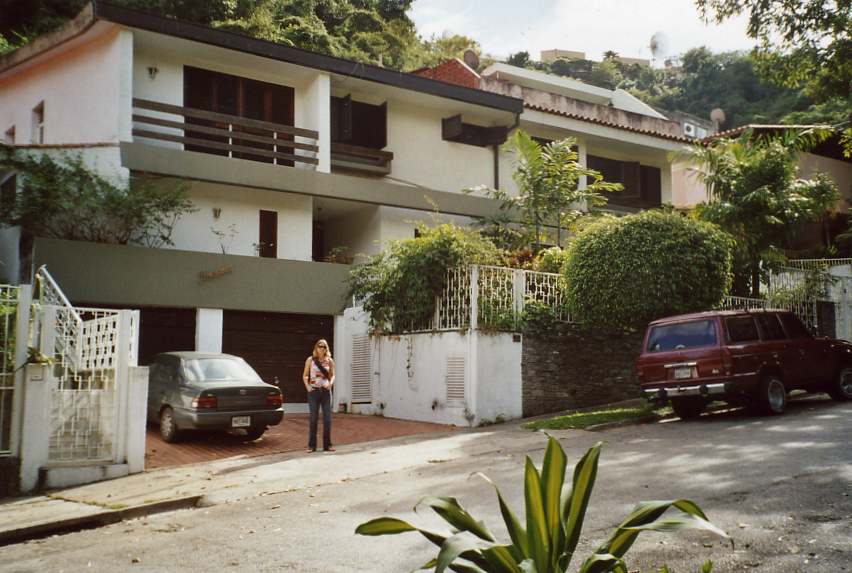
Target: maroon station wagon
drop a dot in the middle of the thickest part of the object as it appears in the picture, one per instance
(750, 358)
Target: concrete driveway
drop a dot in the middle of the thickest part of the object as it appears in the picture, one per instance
(780, 486)
(288, 436)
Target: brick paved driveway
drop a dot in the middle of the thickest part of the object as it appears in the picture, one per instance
(291, 434)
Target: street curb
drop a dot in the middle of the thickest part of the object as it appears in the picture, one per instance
(634, 422)
(96, 520)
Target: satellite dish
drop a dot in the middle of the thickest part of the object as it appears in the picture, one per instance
(471, 59)
(659, 45)
(717, 116)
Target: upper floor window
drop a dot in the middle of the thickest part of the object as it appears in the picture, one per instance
(642, 183)
(241, 97)
(9, 136)
(359, 123)
(38, 123)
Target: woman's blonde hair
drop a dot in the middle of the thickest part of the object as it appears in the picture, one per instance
(315, 353)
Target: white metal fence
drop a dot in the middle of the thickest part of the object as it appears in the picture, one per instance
(91, 350)
(8, 345)
(492, 297)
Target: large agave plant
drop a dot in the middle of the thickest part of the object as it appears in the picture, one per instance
(554, 518)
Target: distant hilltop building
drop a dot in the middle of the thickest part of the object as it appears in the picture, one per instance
(550, 56)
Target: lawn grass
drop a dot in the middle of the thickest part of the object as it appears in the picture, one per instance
(581, 420)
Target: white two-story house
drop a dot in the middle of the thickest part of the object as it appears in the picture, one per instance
(292, 159)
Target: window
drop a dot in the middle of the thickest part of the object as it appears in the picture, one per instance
(38, 124)
(741, 329)
(209, 369)
(9, 136)
(642, 183)
(242, 97)
(8, 191)
(358, 123)
(770, 327)
(682, 335)
(793, 326)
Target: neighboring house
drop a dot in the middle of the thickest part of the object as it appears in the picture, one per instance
(825, 158)
(625, 139)
(293, 158)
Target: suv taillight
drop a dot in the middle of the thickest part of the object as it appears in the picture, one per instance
(727, 361)
(205, 403)
(275, 399)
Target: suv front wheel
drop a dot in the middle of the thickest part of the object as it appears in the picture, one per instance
(771, 396)
(841, 388)
(688, 408)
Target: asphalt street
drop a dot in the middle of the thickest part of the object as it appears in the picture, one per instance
(780, 486)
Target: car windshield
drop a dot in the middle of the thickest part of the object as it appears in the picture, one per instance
(682, 335)
(207, 369)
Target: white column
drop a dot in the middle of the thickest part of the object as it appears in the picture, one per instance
(22, 326)
(315, 113)
(208, 329)
(137, 400)
(582, 156)
(35, 435)
(666, 191)
(122, 380)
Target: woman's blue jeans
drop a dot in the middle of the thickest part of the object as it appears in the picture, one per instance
(317, 398)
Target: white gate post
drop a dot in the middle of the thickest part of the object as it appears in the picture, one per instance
(519, 290)
(37, 426)
(123, 349)
(474, 297)
(22, 340)
(137, 408)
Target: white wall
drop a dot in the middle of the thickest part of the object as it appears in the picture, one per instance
(839, 171)
(420, 155)
(498, 377)
(240, 212)
(208, 329)
(398, 223)
(687, 188)
(82, 90)
(358, 231)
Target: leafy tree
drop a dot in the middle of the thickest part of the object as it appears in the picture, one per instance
(57, 195)
(520, 59)
(546, 541)
(399, 286)
(549, 194)
(800, 42)
(755, 196)
(624, 272)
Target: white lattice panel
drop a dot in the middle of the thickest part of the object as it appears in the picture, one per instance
(362, 370)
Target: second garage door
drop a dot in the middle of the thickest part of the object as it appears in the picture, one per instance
(276, 345)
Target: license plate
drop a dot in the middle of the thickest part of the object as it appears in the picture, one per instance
(241, 421)
(682, 373)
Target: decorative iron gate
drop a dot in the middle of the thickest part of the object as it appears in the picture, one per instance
(91, 351)
(8, 314)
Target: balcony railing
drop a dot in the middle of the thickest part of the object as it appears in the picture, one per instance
(361, 159)
(227, 135)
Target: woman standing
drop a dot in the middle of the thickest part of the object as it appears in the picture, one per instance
(318, 378)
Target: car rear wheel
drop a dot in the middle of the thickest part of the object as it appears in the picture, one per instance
(841, 388)
(168, 427)
(772, 396)
(688, 408)
(253, 434)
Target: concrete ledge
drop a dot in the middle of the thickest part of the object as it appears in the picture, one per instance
(67, 476)
(93, 518)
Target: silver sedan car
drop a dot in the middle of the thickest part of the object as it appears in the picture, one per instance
(206, 391)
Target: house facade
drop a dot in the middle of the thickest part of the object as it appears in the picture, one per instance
(297, 164)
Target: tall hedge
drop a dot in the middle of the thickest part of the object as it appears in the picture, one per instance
(626, 272)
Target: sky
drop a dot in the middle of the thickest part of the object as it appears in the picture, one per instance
(503, 27)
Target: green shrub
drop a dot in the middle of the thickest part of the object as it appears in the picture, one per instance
(625, 272)
(551, 260)
(398, 287)
(554, 513)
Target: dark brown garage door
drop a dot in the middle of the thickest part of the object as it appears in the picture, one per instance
(165, 330)
(276, 345)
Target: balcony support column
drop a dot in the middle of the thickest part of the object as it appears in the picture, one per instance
(316, 115)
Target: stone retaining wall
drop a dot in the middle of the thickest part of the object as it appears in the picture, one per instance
(570, 369)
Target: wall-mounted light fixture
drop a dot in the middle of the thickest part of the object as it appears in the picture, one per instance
(217, 212)
(153, 71)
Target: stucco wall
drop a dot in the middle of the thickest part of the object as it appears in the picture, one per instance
(358, 232)
(687, 188)
(84, 91)
(240, 213)
(839, 171)
(422, 157)
(498, 378)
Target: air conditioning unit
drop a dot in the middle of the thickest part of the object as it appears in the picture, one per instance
(688, 129)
